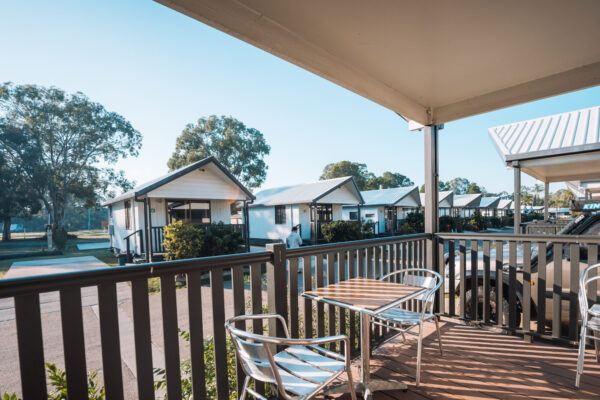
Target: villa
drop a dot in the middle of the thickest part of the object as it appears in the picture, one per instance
(465, 204)
(445, 200)
(306, 206)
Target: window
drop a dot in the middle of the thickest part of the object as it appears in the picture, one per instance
(370, 215)
(354, 215)
(280, 215)
(127, 216)
(324, 213)
(195, 212)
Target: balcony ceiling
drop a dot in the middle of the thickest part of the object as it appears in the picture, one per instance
(431, 61)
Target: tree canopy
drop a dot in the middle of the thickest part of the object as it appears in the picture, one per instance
(364, 179)
(64, 144)
(239, 148)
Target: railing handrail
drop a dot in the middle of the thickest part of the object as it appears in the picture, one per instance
(352, 245)
(55, 282)
(520, 238)
(131, 234)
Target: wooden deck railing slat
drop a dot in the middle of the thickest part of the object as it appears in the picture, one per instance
(474, 279)
(219, 338)
(239, 308)
(331, 309)
(142, 337)
(557, 291)
(462, 254)
(573, 290)
(526, 289)
(109, 336)
(541, 288)
(194, 282)
(512, 284)
(73, 343)
(499, 283)
(170, 336)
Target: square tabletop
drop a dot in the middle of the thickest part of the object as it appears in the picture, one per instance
(364, 293)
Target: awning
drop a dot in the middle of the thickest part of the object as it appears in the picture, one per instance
(431, 61)
(555, 148)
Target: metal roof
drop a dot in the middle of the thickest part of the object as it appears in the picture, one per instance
(554, 148)
(443, 195)
(149, 186)
(489, 202)
(431, 61)
(305, 193)
(504, 204)
(467, 200)
(391, 196)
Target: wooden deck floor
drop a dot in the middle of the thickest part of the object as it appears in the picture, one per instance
(480, 364)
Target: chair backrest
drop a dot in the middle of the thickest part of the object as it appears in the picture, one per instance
(420, 277)
(584, 281)
(253, 354)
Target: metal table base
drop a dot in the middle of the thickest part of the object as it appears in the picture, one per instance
(367, 385)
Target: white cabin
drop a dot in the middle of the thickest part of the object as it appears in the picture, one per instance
(445, 201)
(386, 208)
(200, 193)
(307, 206)
(464, 205)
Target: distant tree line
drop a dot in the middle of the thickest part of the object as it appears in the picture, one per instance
(365, 179)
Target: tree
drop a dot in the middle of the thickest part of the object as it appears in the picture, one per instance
(473, 188)
(237, 147)
(348, 168)
(390, 180)
(64, 144)
(17, 197)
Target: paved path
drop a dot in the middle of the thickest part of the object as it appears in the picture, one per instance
(53, 266)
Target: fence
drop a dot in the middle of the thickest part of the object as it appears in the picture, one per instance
(518, 274)
(320, 265)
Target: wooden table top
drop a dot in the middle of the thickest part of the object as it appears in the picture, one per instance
(363, 293)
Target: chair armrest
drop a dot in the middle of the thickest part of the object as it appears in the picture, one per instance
(247, 317)
(314, 343)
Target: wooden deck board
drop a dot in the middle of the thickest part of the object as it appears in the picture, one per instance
(481, 364)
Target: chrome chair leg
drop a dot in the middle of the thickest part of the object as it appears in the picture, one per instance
(419, 351)
(245, 389)
(581, 357)
(437, 327)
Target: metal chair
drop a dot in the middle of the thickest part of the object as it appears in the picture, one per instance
(590, 319)
(406, 321)
(300, 371)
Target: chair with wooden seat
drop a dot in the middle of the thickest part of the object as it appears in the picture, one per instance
(410, 320)
(590, 318)
(299, 371)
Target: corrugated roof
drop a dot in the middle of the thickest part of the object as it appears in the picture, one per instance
(564, 133)
(504, 204)
(443, 195)
(467, 200)
(303, 193)
(155, 183)
(489, 202)
(387, 196)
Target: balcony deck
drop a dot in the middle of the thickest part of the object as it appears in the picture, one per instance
(481, 364)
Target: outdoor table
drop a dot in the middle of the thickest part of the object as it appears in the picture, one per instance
(367, 297)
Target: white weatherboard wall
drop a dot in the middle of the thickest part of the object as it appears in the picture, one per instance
(118, 221)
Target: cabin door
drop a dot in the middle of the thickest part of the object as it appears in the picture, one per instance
(319, 214)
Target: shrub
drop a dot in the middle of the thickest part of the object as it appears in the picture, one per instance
(182, 240)
(59, 237)
(447, 223)
(58, 380)
(413, 223)
(219, 238)
(342, 231)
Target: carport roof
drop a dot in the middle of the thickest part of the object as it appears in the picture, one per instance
(431, 61)
(555, 148)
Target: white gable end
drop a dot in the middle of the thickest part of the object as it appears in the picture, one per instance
(341, 195)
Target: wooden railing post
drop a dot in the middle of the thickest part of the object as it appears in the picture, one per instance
(276, 287)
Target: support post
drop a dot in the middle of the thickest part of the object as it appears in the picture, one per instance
(149, 240)
(430, 133)
(517, 194)
(276, 287)
(546, 200)
(246, 221)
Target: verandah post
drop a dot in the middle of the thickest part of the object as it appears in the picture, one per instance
(517, 196)
(276, 287)
(430, 133)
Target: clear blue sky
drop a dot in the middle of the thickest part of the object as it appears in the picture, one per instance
(162, 70)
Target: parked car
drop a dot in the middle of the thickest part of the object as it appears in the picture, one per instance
(585, 224)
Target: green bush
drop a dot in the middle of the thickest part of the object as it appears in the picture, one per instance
(59, 237)
(344, 231)
(58, 380)
(447, 223)
(183, 240)
(413, 223)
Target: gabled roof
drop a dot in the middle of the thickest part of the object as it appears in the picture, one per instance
(489, 202)
(305, 193)
(389, 197)
(442, 195)
(467, 200)
(555, 148)
(149, 186)
(504, 204)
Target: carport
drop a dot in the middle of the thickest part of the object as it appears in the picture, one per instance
(556, 148)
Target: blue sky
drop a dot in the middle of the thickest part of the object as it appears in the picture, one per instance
(162, 70)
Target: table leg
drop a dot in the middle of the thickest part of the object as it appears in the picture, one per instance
(365, 347)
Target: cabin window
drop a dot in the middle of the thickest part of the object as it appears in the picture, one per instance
(324, 213)
(127, 215)
(354, 215)
(280, 215)
(191, 211)
(370, 215)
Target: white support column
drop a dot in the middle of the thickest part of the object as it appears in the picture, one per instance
(430, 134)
(517, 194)
(546, 200)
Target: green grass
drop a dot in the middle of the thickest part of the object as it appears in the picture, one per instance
(103, 255)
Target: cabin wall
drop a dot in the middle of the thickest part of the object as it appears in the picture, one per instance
(118, 221)
(220, 211)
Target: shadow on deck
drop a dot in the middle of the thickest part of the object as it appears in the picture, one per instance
(481, 364)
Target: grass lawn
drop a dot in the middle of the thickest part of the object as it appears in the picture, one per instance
(103, 255)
